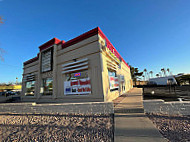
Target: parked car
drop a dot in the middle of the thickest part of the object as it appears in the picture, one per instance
(2, 93)
(10, 93)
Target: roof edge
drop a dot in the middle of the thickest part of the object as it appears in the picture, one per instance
(31, 60)
(49, 43)
(110, 44)
(91, 33)
(80, 38)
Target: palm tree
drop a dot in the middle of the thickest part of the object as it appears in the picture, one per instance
(163, 71)
(135, 74)
(160, 74)
(151, 73)
(148, 77)
(143, 77)
(157, 75)
(145, 71)
(168, 70)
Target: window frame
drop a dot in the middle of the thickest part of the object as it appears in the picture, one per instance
(44, 85)
(26, 92)
(51, 59)
(115, 75)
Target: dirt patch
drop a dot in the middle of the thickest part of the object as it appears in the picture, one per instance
(173, 127)
(67, 127)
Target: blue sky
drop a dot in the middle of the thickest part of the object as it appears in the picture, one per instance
(147, 33)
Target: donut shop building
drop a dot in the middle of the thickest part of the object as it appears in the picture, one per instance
(87, 68)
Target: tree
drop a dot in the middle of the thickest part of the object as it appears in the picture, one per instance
(160, 74)
(135, 74)
(157, 75)
(163, 71)
(168, 70)
(145, 73)
(143, 77)
(151, 73)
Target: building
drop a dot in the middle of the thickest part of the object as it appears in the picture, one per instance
(183, 79)
(10, 88)
(86, 68)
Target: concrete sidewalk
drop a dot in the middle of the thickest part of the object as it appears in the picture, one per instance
(131, 124)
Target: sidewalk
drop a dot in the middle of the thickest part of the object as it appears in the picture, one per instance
(131, 124)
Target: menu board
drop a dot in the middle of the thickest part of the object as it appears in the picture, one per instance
(79, 86)
(46, 61)
(114, 84)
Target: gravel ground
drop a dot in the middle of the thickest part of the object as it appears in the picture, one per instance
(48, 128)
(174, 128)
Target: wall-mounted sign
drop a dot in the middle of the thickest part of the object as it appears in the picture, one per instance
(122, 78)
(114, 83)
(110, 49)
(77, 74)
(47, 59)
(80, 86)
(113, 56)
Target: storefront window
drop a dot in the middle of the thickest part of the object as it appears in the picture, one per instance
(47, 86)
(30, 87)
(112, 73)
(122, 81)
(113, 80)
(77, 83)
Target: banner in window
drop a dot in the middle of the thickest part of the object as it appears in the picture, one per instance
(80, 86)
(114, 83)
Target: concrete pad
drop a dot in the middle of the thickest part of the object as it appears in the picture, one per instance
(134, 126)
(139, 139)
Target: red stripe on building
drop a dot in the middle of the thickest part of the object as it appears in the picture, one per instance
(49, 43)
(80, 38)
(31, 60)
(73, 41)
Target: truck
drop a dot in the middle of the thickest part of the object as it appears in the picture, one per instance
(168, 80)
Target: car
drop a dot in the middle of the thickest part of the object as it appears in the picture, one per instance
(2, 93)
(10, 93)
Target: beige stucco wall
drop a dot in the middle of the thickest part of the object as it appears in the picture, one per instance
(88, 48)
(124, 70)
(91, 49)
(31, 68)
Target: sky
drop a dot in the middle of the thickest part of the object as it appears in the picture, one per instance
(151, 34)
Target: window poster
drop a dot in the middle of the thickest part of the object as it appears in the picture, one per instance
(114, 83)
(122, 78)
(78, 86)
